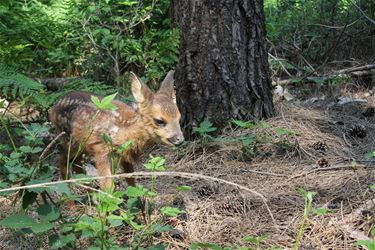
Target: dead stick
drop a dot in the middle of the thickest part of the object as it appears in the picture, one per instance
(50, 145)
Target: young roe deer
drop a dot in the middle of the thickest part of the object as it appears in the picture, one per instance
(155, 118)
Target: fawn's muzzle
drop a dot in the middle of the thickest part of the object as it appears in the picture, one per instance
(176, 140)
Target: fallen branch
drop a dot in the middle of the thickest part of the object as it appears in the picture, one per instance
(149, 174)
(352, 71)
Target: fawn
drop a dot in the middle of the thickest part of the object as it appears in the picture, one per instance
(155, 118)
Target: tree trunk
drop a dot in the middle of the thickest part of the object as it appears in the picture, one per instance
(223, 68)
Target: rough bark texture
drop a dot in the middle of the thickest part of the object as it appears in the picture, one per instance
(223, 69)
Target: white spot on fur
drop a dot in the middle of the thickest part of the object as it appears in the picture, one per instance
(115, 113)
(113, 130)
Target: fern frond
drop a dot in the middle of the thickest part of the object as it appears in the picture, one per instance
(14, 84)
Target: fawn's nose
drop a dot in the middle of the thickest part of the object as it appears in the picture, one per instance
(176, 139)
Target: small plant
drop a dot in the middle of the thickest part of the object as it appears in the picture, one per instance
(204, 129)
(308, 197)
(255, 240)
(105, 103)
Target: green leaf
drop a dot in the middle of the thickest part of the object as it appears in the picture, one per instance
(60, 241)
(18, 221)
(322, 211)
(183, 188)
(255, 239)
(373, 186)
(157, 247)
(48, 213)
(195, 246)
(369, 155)
(124, 147)
(370, 244)
(157, 228)
(42, 227)
(25, 149)
(171, 211)
(61, 188)
(96, 101)
(155, 164)
(115, 220)
(137, 191)
(264, 124)
(244, 124)
(109, 99)
(107, 138)
(204, 127)
(38, 189)
(282, 131)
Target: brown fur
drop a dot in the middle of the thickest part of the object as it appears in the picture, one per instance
(76, 115)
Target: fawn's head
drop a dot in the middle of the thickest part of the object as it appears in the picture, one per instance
(158, 110)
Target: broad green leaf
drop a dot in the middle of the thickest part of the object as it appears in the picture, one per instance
(18, 221)
(42, 227)
(60, 241)
(137, 191)
(48, 212)
(61, 188)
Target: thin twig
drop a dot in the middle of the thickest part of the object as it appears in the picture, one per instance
(263, 173)
(328, 169)
(149, 174)
(363, 13)
(50, 145)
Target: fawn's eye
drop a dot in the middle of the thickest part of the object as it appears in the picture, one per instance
(160, 122)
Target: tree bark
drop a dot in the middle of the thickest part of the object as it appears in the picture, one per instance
(223, 69)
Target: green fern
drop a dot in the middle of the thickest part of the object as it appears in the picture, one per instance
(14, 84)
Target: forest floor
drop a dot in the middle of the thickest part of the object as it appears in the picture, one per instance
(319, 142)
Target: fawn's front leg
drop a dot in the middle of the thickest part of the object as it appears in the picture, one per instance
(128, 168)
(104, 168)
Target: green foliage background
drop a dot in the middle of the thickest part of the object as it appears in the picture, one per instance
(79, 38)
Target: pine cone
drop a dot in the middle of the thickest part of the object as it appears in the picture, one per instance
(369, 112)
(320, 146)
(358, 131)
(322, 162)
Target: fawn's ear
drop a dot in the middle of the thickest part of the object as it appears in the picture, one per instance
(140, 91)
(167, 87)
